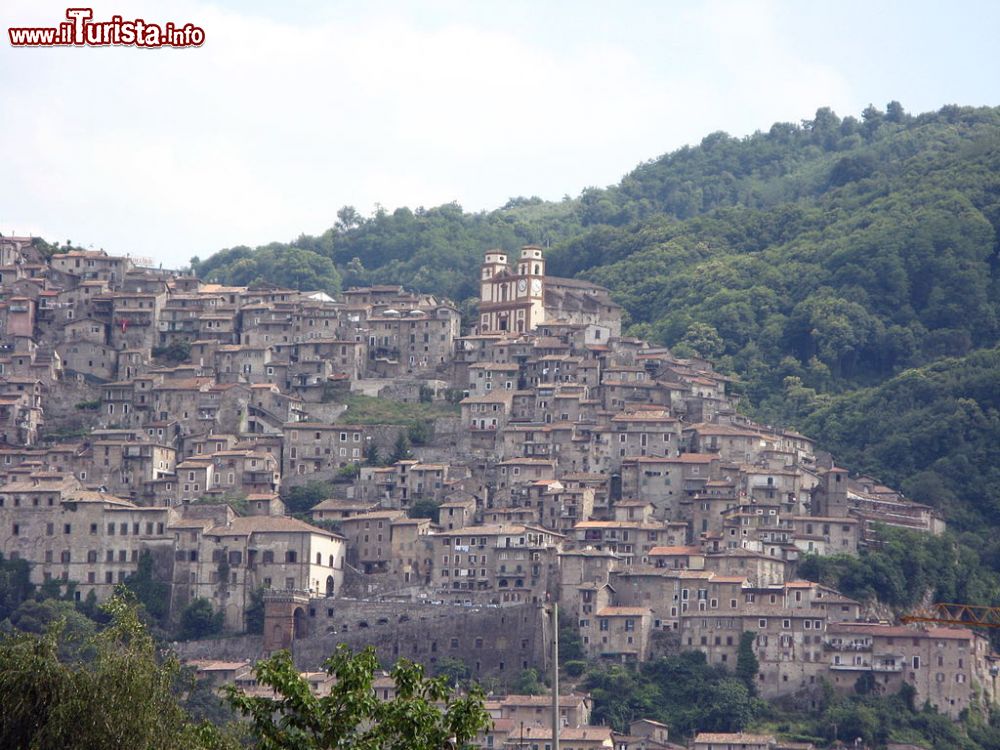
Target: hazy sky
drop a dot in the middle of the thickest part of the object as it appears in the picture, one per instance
(293, 109)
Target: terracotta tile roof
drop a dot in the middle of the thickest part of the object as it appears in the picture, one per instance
(735, 738)
(623, 611)
(674, 551)
(244, 526)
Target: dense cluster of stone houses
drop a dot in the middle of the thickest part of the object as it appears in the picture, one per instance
(580, 465)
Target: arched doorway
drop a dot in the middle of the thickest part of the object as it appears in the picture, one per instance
(329, 585)
(300, 628)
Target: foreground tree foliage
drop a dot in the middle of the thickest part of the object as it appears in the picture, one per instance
(111, 689)
(424, 715)
(110, 692)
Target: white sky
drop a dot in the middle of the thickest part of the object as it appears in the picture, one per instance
(292, 109)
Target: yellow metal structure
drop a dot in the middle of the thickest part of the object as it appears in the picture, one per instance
(959, 614)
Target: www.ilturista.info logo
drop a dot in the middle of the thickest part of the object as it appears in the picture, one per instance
(80, 30)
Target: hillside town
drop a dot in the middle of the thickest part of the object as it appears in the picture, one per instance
(148, 416)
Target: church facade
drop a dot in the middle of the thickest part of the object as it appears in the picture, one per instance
(512, 299)
(517, 298)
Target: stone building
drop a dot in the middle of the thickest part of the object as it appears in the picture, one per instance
(618, 633)
(949, 667)
(733, 741)
(317, 450)
(92, 264)
(497, 563)
(225, 558)
(69, 533)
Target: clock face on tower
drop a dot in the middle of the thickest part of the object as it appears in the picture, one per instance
(522, 285)
(536, 287)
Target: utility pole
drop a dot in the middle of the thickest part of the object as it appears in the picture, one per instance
(555, 676)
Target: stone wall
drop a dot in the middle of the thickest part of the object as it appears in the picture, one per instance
(493, 642)
(59, 403)
(233, 648)
(328, 412)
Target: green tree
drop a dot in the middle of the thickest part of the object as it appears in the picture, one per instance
(528, 683)
(731, 707)
(747, 665)
(121, 697)
(151, 592)
(420, 433)
(423, 715)
(255, 612)
(349, 471)
(570, 642)
(174, 353)
(39, 617)
(348, 218)
(425, 509)
(455, 671)
(401, 449)
(703, 339)
(199, 620)
(15, 585)
(302, 498)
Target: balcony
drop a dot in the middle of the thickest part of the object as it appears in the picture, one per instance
(259, 477)
(852, 646)
(863, 667)
(885, 667)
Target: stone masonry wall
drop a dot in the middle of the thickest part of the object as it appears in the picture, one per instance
(492, 641)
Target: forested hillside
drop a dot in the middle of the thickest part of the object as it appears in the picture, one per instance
(816, 261)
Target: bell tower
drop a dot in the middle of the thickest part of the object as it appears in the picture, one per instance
(493, 266)
(532, 262)
(495, 285)
(531, 269)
